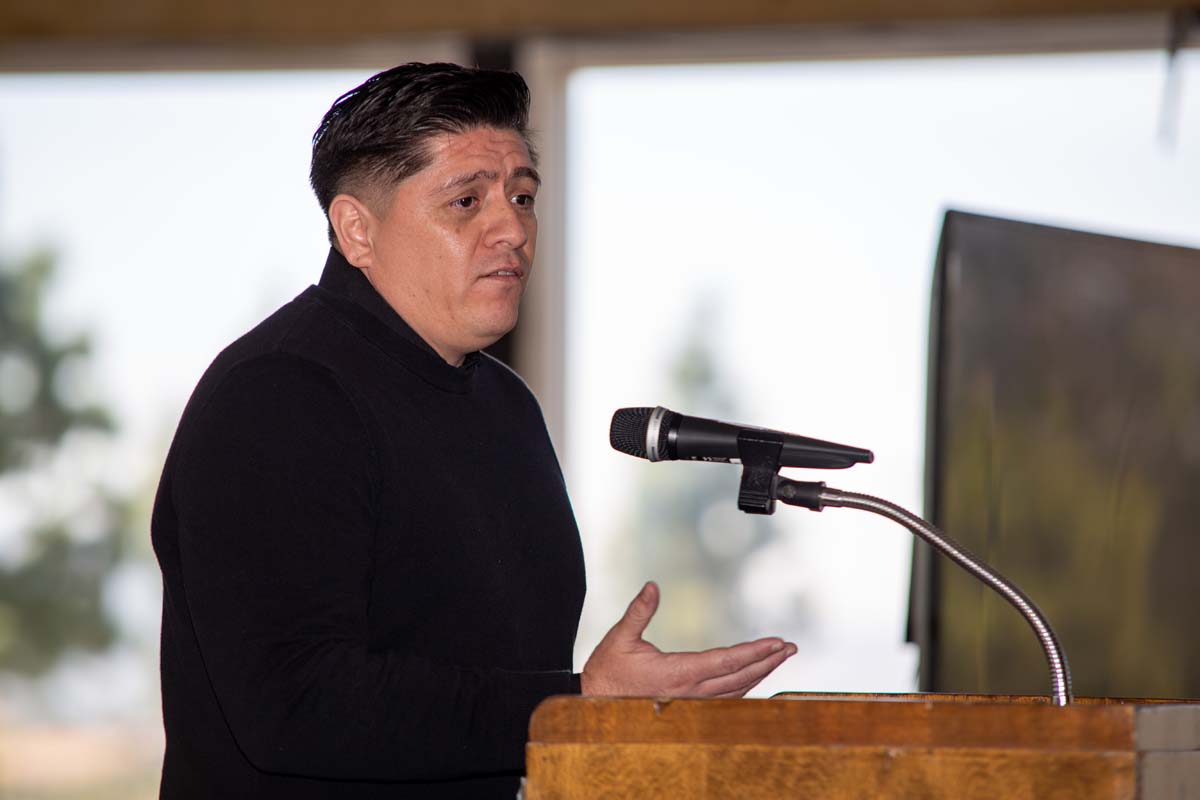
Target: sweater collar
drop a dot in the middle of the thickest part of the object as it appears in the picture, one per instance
(382, 324)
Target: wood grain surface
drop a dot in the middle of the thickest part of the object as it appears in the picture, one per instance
(864, 746)
(586, 772)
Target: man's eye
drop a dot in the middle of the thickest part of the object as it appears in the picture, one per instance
(465, 202)
(523, 200)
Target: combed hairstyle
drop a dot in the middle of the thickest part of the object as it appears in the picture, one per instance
(377, 134)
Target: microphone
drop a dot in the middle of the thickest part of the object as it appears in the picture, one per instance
(659, 434)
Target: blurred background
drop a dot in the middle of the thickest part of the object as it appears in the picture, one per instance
(740, 219)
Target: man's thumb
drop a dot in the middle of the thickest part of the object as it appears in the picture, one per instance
(640, 612)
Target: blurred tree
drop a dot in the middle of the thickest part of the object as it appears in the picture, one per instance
(51, 585)
(686, 530)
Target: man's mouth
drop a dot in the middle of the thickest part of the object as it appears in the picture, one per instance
(513, 272)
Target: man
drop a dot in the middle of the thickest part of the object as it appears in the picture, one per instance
(371, 569)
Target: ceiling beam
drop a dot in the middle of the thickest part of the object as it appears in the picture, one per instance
(348, 22)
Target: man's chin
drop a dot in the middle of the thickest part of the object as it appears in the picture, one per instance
(494, 328)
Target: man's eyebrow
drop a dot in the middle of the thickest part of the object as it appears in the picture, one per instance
(463, 180)
(489, 175)
(528, 172)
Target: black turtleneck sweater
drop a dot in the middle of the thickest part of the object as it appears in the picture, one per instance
(371, 569)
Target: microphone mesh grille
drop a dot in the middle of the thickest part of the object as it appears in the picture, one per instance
(627, 433)
(664, 433)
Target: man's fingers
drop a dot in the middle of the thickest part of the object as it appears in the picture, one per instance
(633, 624)
(736, 684)
(734, 695)
(728, 660)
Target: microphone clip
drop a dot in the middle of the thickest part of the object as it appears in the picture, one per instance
(761, 483)
(759, 452)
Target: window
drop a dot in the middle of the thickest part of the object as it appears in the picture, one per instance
(755, 241)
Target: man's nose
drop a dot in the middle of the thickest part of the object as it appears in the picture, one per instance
(506, 226)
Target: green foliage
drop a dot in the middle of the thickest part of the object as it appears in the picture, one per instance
(44, 419)
(51, 593)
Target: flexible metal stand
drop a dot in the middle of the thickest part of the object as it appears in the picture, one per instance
(816, 496)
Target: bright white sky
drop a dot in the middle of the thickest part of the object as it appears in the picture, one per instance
(807, 197)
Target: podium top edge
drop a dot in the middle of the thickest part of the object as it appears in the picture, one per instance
(803, 720)
(953, 697)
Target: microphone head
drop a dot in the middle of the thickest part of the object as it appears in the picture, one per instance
(642, 432)
(627, 433)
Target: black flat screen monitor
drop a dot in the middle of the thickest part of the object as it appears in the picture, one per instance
(1064, 449)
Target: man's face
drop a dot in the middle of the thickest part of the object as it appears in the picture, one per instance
(452, 247)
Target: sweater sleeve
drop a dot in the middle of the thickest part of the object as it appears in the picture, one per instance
(274, 488)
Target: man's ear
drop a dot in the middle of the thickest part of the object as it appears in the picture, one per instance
(352, 223)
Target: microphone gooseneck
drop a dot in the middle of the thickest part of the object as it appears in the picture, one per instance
(817, 496)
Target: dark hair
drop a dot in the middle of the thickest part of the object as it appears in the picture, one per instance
(376, 134)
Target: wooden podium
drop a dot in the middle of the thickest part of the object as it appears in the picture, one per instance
(864, 747)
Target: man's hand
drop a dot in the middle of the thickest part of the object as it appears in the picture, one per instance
(626, 664)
